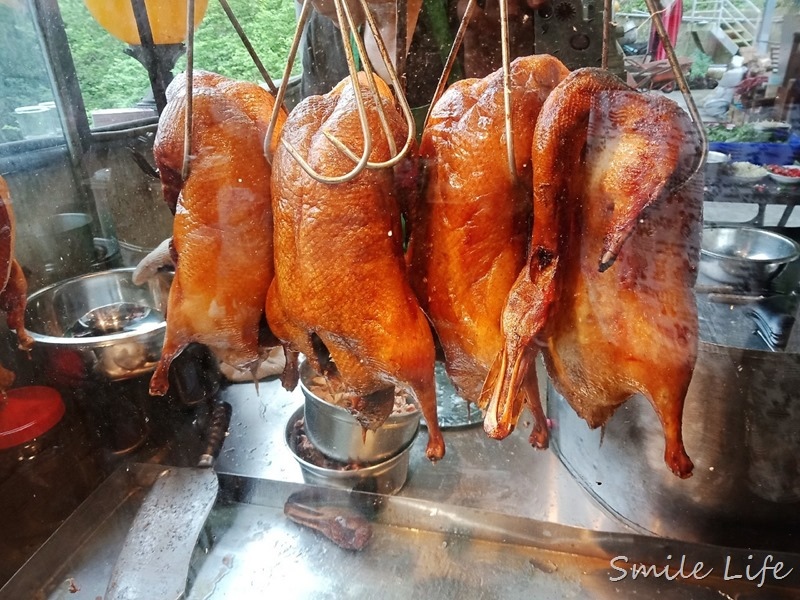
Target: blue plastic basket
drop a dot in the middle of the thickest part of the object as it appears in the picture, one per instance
(759, 153)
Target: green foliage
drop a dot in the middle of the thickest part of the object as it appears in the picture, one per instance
(700, 64)
(737, 133)
(108, 78)
(269, 25)
(111, 79)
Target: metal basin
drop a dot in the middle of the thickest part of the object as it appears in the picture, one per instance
(386, 477)
(745, 256)
(740, 427)
(338, 435)
(98, 327)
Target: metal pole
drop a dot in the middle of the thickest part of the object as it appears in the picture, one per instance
(158, 79)
(64, 80)
(187, 125)
(764, 26)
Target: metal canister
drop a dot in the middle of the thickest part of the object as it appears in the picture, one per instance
(741, 427)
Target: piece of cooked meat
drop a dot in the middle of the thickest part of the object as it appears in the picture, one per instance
(222, 233)
(341, 288)
(470, 233)
(608, 285)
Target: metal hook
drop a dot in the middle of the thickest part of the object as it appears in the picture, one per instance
(347, 27)
(395, 81)
(451, 58)
(287, 71)
(653, 6)
(187, 133)
(248, 46)
(606, 33)
(345, 31)
(512, 167)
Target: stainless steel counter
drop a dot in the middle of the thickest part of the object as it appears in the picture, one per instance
(507, 477)
(491, 520)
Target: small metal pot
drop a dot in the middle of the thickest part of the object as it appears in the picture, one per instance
(98, 327)
(338, 435)
(746, 257)
(387, 477)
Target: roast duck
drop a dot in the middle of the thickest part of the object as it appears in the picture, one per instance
(601, 283)
(13, 287)
(606, 291)
(341, 294)
(222, 232)
(470, 233)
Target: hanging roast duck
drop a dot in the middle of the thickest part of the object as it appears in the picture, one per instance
(222, 233)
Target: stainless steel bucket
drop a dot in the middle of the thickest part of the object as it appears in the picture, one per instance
(741, 427)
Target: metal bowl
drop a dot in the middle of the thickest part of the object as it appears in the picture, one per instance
(745, 256)
(740, 424)
(338, 435)
(387, 477)
(98, 327)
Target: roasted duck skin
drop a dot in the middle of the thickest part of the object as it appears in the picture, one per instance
(222, 233)
(470, 235)
(341, 288)
(614, 253)
(14, 294)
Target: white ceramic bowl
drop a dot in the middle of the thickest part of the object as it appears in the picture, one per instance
(783, 178)
(747, 173)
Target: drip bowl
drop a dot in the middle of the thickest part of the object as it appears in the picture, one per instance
(338, 435)
(386, 477)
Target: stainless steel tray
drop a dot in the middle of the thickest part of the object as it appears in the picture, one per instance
(419, 549)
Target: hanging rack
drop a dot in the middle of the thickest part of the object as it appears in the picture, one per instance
(655, 10)
(348, 28)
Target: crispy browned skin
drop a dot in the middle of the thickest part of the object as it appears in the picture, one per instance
(222, 233)
(340, 278)
(14, 294)
(614, 253)
(470, 236)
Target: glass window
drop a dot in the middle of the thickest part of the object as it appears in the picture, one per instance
(115, 85)
(27, 110)
(602, 285)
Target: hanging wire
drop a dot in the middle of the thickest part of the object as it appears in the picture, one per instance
(512, 167)
(248, 46)
(187, 133)
(451, 59)
(348, 28)
(655, 9)
(607, 7)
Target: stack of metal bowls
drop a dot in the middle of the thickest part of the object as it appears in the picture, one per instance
(357, 458)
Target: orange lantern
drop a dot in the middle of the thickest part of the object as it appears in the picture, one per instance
(167, 19)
